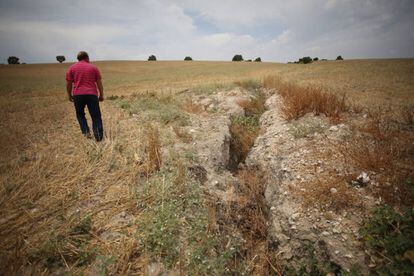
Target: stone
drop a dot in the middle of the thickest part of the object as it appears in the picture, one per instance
(333, 128)
(363, 178)
(333, 190)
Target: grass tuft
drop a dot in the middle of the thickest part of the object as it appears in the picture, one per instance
(298, 100)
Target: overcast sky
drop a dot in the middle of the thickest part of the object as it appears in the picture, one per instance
(275, 30)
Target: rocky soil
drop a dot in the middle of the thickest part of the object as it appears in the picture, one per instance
(291, 155)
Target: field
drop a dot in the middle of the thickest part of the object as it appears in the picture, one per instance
(70, 204)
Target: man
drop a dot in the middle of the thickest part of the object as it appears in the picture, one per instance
(84, 88)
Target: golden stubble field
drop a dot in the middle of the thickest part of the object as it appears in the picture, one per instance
(47, 170)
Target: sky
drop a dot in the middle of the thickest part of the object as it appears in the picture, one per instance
(276, 30)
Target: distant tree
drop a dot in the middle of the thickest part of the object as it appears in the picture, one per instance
(305, 60)
(60, 58)
(258, 59)
(13, 60)
(324, 59)
(188, 58)
(152, 58)
(339, 58)
(249, 60)
(315, 59)
(237, 58)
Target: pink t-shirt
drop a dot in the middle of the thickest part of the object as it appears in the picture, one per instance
(84, 76)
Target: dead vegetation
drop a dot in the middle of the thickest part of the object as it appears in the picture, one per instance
(383, 146)
(182, 134)
(298, 100)
(248, 212)
(380, 145)
(332, 193)
(152, 150)
(59, 194)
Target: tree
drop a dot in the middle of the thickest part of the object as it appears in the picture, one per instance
(13, 60)
(305, 60)
(60, 58)
(315, 59)
(249, 60)
(188, 58)
(152, 58)
(339, 58)
(237, 58)
(258, 59)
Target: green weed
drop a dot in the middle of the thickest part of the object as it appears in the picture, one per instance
(389, 235)
(173, 229)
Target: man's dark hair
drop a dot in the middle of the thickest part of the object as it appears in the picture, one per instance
(82, 55)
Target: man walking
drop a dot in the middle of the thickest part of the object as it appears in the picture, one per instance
(83, 82)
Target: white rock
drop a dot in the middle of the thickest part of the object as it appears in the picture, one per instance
(333, 190)
(325, 233)
(336, 252)
(363, 178)
(333, 128)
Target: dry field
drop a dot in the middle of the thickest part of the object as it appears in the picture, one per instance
(62, 196)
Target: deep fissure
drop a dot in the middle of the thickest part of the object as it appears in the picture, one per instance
(249, 213)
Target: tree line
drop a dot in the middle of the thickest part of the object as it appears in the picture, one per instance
(61, 59)
(238, 57)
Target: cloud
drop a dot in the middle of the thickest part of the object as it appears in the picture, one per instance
(276, 30)
(283, 38)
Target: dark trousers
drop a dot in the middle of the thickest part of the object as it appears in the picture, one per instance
(92, 102)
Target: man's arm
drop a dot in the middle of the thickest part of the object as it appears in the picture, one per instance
(100, 89)
(69, 90)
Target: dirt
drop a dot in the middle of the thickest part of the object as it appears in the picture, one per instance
(296, 233)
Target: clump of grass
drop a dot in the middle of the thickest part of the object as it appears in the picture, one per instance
(182, 134)
(332, 194)
(70, 247)
(389, 237)
(249, 84)
(382, 146)
(174, 225)
(298, 100)
(112, 97)
(152, 107)
(253, 106)
(303, 129)
(153, 151)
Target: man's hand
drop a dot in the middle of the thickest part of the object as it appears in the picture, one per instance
(100, 89)
(69, 90)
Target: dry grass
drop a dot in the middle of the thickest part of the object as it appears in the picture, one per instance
(254, 106)
(153, 150)
(383, 146)
(191, 107)
(249, 213)
(333, 193)
(183, 135)
(49, 173)
(366, 82)
(298, 101)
